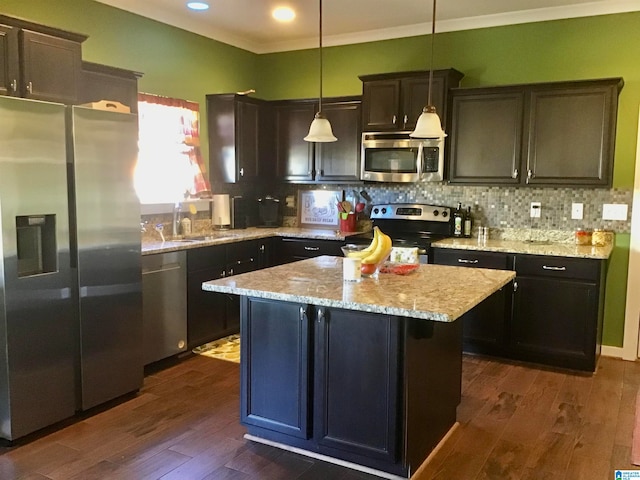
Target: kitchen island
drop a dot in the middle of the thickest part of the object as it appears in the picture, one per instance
(364, 374)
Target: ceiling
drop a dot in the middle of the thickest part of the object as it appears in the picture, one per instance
(248, 24)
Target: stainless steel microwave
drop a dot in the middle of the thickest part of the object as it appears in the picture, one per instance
(396, 157)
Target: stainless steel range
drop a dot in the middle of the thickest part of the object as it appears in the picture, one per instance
(411, 225)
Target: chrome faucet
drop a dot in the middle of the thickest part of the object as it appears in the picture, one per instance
(175, 224)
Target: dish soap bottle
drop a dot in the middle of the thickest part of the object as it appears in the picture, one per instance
(185, 226)
(458, 221)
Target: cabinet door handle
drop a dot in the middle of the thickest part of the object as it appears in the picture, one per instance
(515, 286)
(231, 271)
(303, 313)
(30, 87)
(529, 175)
(242, 172)
(393, 120)
(557, 269)
(406, 119)
(464, 260)
(262, 248)
(320, 315)
(14, 85)
(312, 249)
(515, 173)
(224, 274)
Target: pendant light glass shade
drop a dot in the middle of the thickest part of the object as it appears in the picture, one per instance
(428, 124)
(320, 130)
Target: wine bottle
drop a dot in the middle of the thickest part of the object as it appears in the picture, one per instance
(468, 223)
(458, 221)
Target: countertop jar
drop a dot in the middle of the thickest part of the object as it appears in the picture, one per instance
(583, 237)
(601, 238)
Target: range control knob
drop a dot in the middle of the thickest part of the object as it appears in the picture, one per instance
(375, 210)
(436, 213)
(384, 210)
(444, 213)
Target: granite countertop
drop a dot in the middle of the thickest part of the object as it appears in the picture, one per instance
(432, 292)
(530, 248)
(155, 245)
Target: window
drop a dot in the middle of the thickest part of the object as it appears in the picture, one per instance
(170, 166)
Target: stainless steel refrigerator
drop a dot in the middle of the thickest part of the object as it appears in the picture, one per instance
(70, 276)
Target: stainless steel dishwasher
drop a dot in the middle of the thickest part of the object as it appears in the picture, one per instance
(164, 305)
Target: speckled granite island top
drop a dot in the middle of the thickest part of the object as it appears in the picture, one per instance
(432, 292)
(527, 248)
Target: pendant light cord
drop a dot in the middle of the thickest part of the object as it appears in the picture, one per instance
(320, 55)
(433, 34)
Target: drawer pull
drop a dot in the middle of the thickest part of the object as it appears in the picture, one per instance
(557, 269)
(312, 249)
(464, 260)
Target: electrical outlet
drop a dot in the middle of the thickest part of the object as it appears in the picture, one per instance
(576, 211)
(614, 211)
(535, 209)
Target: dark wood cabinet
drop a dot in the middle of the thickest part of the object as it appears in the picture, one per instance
(9, 63)
(340, 161)
(349, 385)
(364, 348)
(551, 314)
(288, 250)
(240, 138)
(103, 82)
(214, 315)
(558, 311)
(294, 156)
(394, 101)
(484, 328)
(559, 133)
(275, 374)
(39, 62)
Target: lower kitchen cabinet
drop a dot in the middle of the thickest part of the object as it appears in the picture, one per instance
(164, 305)
(558, 311)
(215, 315)
(286, 250)
(485, 327)
(373, 389)
(552, 314)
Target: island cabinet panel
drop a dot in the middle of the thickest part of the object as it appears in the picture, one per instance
(558, 311)
(275, 384)
(357, 384)
(485, 327)
(560, 133)
(287, 250)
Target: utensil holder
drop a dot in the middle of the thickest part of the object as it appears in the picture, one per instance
(347, 222)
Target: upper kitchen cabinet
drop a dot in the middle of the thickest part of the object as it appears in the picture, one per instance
(294, 156)
(548, 134)
(102, 82)
(307, 162)
(39, 62)
(394, 101)
(340, 161)
(240, 138)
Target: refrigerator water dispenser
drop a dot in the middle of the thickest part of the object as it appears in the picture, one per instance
(36, 244)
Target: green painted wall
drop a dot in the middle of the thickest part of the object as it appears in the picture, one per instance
(180, 64)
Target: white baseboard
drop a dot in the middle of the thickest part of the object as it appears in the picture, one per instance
(615, 352)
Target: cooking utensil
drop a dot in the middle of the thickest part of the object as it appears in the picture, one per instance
(366, 196)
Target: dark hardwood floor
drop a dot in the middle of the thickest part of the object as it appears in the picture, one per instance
(516, 422)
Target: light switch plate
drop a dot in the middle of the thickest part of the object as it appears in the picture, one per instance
(614, 211)
(535, 209)
(576, 211)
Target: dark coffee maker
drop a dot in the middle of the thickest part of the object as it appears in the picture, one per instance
(269, 212)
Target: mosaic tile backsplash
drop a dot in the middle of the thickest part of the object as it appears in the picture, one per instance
(505, 210)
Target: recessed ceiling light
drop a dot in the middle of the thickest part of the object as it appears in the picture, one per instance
(284, 14)
(198, 5)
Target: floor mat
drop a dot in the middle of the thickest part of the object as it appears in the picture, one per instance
(227, 348)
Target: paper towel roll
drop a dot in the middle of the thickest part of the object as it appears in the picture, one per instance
(221, 216)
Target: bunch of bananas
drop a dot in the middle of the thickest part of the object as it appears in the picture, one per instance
(377, 251)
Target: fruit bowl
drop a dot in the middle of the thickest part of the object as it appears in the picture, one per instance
(352, 250)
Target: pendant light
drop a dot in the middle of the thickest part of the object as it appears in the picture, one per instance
(428, 124)
(320, 129)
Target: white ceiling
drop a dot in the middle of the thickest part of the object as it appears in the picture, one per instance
(248, 24)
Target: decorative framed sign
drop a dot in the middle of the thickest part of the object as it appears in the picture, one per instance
(318, 208)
